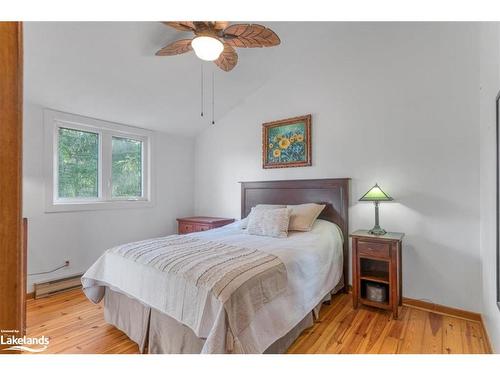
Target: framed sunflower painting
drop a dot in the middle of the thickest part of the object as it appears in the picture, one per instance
(287, 143)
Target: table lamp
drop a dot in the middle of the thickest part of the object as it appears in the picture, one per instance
(376, 195)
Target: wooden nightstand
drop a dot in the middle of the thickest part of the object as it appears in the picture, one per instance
(377, 260)
(200, 223)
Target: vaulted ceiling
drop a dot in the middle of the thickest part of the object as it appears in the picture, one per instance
(108, 70)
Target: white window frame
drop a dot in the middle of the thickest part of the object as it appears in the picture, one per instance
(53, 121)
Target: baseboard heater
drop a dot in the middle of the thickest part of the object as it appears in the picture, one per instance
(52, 287)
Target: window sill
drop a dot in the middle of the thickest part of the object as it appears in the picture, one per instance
(97, 206)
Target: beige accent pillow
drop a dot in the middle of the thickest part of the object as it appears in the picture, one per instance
(244, 222)
(271, 223)
(270, 206)
(304, 215)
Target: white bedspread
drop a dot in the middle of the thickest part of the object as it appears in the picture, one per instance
(313, 261)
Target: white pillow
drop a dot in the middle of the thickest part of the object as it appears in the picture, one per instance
(304, 215)
(244, 222)
(271, 223)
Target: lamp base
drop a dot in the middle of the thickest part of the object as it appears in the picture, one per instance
(377, 231)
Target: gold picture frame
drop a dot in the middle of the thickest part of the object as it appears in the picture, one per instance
(287, 143)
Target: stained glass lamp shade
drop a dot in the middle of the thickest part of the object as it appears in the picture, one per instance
(376, 195)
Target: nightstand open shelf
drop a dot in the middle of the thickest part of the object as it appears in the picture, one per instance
(380, 305)
(376, 263)
(376, 270)
(375, 278)
(363, 293)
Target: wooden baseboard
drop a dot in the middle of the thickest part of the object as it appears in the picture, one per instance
(445, 310)
(30, 295)
(441, 309)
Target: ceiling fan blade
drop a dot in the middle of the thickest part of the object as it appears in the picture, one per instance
(176, 48)
(181, 25)
(250, 36)
(227, 59)
(203, 26)
(220, 25)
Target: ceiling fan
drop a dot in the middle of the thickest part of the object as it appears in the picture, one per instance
(215, 41)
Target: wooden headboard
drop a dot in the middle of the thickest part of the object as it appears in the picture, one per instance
(334, 192)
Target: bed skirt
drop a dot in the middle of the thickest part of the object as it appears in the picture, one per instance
(158, 333)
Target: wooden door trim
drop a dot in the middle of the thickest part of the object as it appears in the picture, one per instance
(11, 109)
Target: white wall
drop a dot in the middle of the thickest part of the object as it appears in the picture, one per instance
(396, 104)
(490, 84)
(81, 237)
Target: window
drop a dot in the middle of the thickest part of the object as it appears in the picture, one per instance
(78, 154)
(93, 164)
(127, 168)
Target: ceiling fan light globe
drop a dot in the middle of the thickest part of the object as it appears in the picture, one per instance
(207, 48)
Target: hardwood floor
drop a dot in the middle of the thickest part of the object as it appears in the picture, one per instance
(75, 325)
(341, 329)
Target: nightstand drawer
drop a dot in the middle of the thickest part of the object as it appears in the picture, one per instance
(185, 228)
(202, 227)
(374, 249)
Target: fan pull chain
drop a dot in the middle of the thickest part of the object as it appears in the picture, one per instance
(201, 93)
(213, 98)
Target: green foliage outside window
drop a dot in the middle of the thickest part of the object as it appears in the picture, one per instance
(126, 168)
(78, 154)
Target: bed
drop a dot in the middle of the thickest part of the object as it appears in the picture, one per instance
(264, 312)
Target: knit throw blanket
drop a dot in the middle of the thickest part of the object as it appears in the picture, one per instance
(242, 279)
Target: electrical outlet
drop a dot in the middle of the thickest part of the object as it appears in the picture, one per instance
(66, 263)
